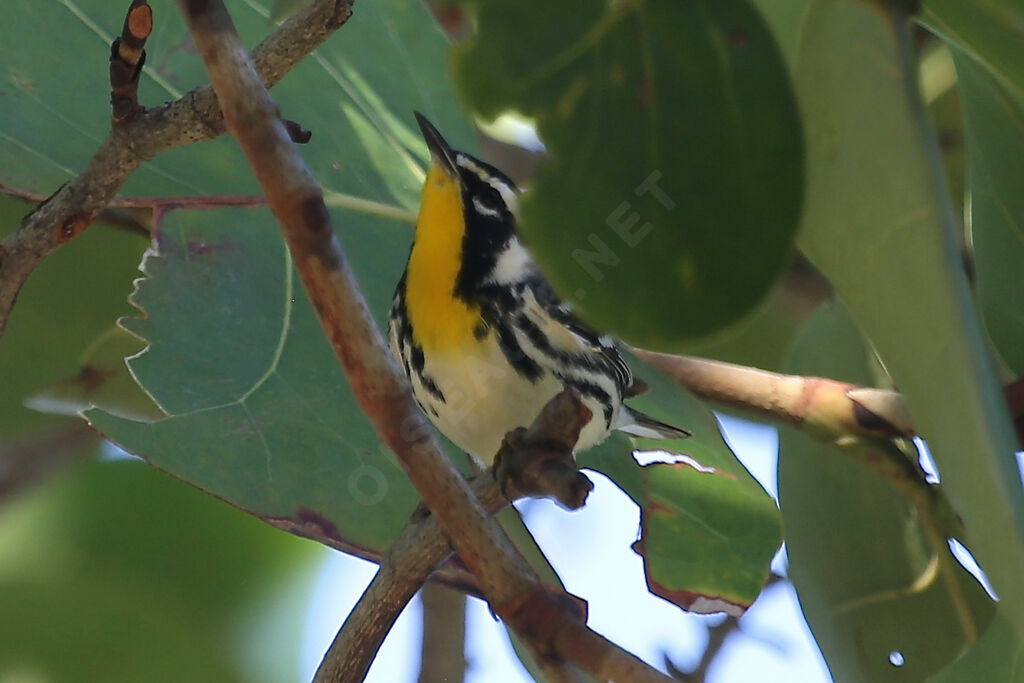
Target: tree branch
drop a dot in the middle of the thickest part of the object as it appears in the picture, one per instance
(443, 653)
(544, 618)
(834, 411)
(422, 545)
(192, 118)
(420, 548)
(831, 409)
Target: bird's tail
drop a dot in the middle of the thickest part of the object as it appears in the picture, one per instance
(644, 426)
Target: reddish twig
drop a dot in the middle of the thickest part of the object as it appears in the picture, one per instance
(127, 55)
(191, 118)
(205, 201)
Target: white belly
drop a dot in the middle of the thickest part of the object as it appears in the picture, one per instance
(485, 398)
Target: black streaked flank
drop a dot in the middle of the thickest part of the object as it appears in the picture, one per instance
(431, 386)
(509, 345)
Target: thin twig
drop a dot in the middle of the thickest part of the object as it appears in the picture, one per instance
(27, 459)
(544, 618)
(192, 118)
(127, 55)
(443, 651)
(184, 201)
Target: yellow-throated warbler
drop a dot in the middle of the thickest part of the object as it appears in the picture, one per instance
(484, 339)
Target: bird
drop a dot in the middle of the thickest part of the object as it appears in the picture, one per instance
(480, 332)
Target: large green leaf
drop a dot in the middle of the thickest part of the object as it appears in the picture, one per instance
(708, 530)
(991, 31)
(670, 200)
(878, 223)
(260, 411)
(870, 581)
(995, 129)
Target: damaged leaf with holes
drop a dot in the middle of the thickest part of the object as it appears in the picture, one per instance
(708, 531)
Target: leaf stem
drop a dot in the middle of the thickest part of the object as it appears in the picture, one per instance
(341, 200)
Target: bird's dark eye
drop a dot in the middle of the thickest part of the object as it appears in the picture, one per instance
(493, 199)
(489, 202)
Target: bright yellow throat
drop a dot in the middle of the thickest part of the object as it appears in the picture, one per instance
(440, 322)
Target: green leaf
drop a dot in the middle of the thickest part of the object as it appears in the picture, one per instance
(260, 411)
(708, 529)
(102, 380)
(760, 338)
(878, 223)
(997, 658)
(991, 31)
(871, 578)
(282, 9)
(116, 572)
(995, 135)
(71, 298)
(675, 154)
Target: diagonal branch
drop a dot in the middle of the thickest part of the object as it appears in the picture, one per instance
(422, 546)
(832, 409)
(193, 117)
(544, 618)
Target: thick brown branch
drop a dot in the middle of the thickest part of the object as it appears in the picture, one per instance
(422, 546)
(831, 409)
(511, 586)
(191, 118)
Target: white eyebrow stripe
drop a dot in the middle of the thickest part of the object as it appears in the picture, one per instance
(486, 211)
(509, 195)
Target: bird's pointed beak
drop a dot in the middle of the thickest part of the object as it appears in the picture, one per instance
(440, 152)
